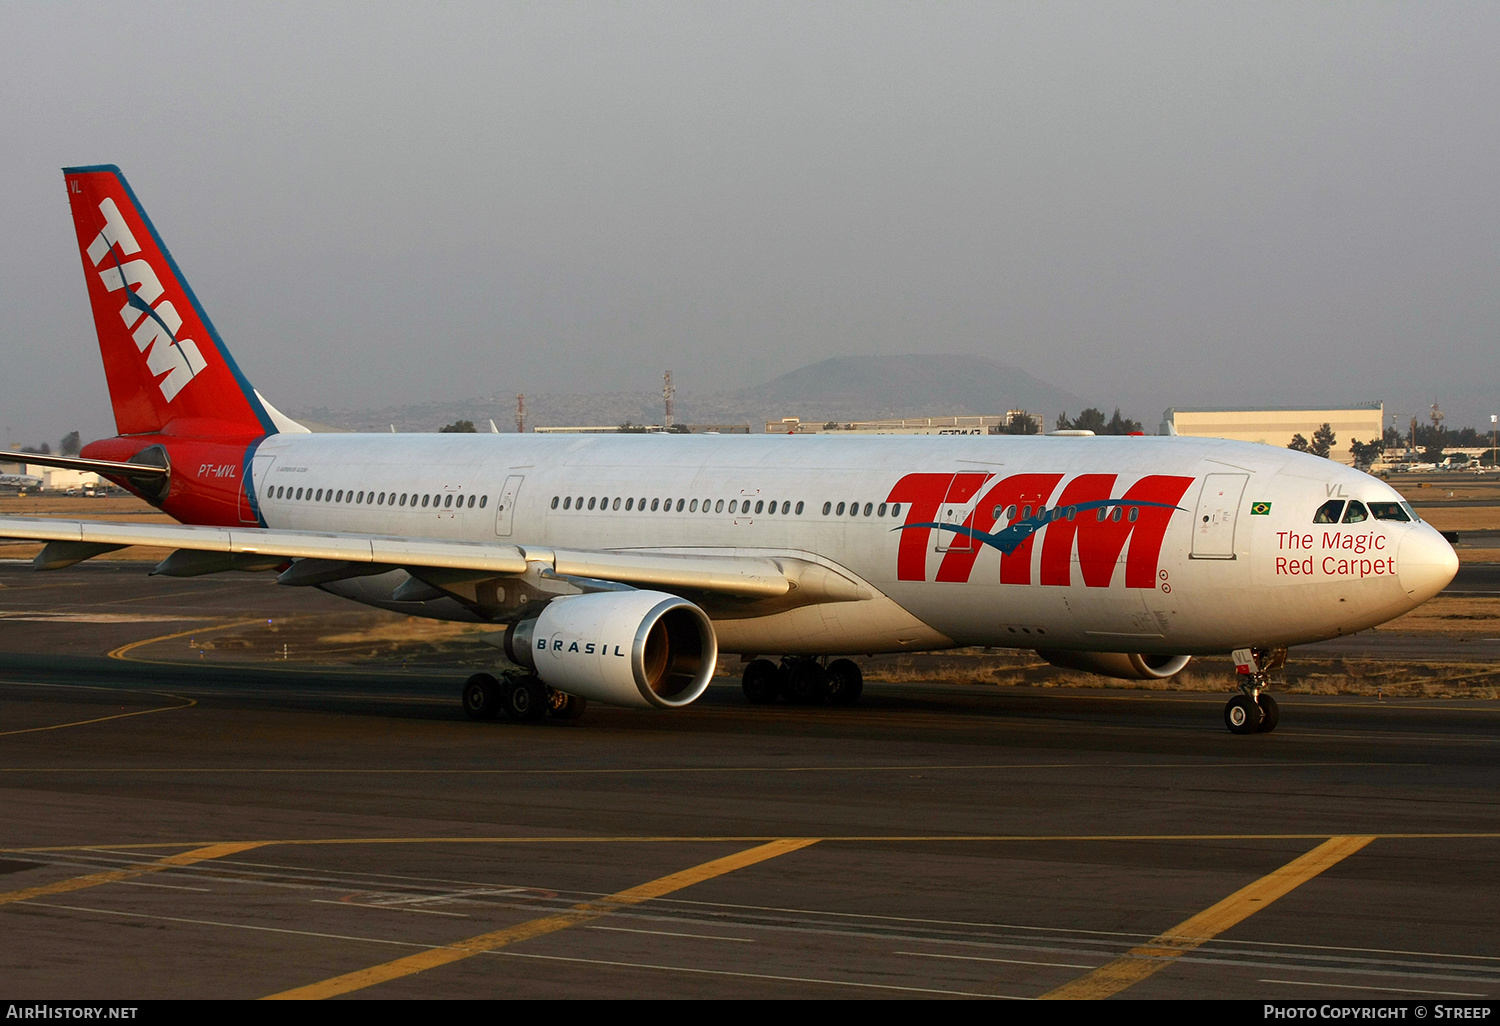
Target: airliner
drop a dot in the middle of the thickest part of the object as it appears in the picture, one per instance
(617, 568)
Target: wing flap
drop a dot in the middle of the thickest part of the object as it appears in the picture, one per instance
(739, 576)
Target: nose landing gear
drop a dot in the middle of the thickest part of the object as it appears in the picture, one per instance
(1253, 711)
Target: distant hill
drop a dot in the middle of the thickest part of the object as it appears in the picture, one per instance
(919, 385)
(843, 388)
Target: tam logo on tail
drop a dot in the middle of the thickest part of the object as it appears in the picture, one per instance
(167, 368)
(156, 335)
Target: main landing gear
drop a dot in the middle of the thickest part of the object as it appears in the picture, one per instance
(803, 680)
(521, 696)
(1253, 711)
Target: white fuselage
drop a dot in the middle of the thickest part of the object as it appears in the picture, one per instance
(1240, 560)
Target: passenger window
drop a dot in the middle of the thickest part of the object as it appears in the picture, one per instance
(786, 507)
(706, 504)
(798, 510)
(380, 501)
(1026, 513)
(733, 505)
(827, 508)
(1328, 513)
(1355, 514)
(896, 510)
(592, 500)
(1115, 514)
(759, 506)
(568, 502)
(629, 505)
(719, 506)
(483, 500)
(1387, 511)
(1072, 512)
(869, 508)
(839, 510)
(616, 503)
(654, 504)
(693, 506)
(1134, 513)
(854, 509)
(554, 502)
(425, 500)
(681, 503)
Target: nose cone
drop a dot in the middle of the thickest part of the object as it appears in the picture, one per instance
(1427, 563)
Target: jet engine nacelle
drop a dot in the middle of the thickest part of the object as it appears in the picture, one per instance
(1125, 665)
(644, 649)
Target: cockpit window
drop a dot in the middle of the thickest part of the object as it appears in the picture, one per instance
(1328, 513)
(1355, 514)
(1388, 511)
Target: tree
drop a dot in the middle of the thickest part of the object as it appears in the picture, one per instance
(1062, 422)
(1433, 453)
(1021, 423)
(1090, 420)
(1323, 440)
(458, 427)
(70, 444)
(1298, 443)
(628, 428)
(832, 425)
(1118, 425)
(1365, 453)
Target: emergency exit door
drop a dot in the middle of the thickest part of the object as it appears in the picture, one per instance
(506, 505)
(1214, 520)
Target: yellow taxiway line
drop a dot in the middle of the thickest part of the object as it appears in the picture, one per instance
(78, 883)
(1161, 951)
(463, 949)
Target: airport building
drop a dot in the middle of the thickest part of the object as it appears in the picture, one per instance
(1277, 425)
(653, 429)
(989, 424)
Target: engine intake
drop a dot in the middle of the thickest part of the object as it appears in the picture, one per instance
(643, 649)
(1125, 665)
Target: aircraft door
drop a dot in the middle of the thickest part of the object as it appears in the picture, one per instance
(254, 486)
(1213, 522)
(952, 541)
(505, 507)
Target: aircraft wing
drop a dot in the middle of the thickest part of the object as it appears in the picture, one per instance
(201, 550)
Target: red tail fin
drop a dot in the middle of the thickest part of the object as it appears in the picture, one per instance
(164, 362)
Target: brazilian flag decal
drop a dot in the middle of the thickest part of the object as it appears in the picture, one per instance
(1260, 509)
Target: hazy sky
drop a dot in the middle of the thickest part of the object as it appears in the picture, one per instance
(1145, 204)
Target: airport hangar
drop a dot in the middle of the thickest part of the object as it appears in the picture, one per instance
(1276, 425)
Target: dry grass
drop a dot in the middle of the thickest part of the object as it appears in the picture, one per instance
(125, 508)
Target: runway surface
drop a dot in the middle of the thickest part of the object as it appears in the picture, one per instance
(213, 830)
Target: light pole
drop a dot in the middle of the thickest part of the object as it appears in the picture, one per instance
(1493, 419)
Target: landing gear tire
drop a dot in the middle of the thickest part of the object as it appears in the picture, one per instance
(482, 697)
(526, 699)
(806, 683)
(845, 682)
(1269, 714)
(761, 682)
(564, 706)
(1241, 715)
